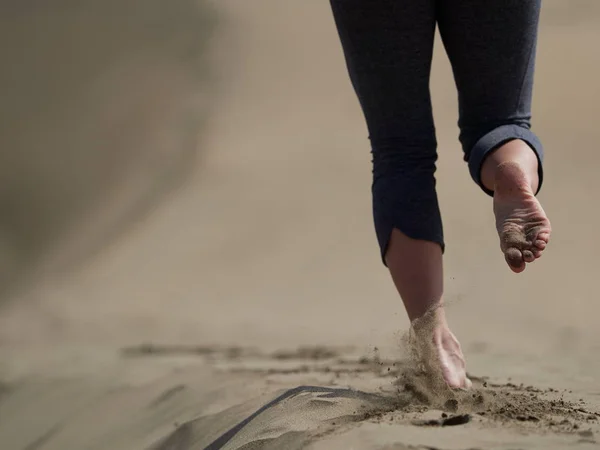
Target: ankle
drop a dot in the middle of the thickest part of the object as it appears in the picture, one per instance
(432, 320)
(512, 164)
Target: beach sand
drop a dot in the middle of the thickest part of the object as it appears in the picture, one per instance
(188, 258)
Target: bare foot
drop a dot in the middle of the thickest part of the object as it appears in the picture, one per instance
(439, 350)
(450, 358)
(522, 224)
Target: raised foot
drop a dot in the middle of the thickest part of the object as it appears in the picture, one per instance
(522, 224)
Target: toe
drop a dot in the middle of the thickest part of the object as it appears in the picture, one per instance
(519, 269)
(514, 258)
(528, 256)
(457, 380)
(468, 384)
(541, 244)
(537, 253)
(544, 236)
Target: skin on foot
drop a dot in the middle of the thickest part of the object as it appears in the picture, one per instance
(522, 224)
(439, 351)
(450, 358)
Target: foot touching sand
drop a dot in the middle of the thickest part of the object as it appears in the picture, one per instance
(243, 310)
(452, 360)
(522, 224)
(439, 351)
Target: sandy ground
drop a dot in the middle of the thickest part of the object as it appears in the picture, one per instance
(188, 258)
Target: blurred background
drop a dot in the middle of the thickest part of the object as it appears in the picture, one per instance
(198, 172)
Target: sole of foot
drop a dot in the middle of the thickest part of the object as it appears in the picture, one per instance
(522, 224)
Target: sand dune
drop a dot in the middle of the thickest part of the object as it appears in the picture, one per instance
(187, 257)
(103, 107)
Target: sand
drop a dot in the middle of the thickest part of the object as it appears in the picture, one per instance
(187, 251)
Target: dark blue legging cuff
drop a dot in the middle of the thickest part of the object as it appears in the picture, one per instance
(496, 138)
(409, 204)
(384, 233)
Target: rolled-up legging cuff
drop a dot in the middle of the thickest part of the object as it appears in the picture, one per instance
(496, 138)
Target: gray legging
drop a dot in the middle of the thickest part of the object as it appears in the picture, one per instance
(388, 46)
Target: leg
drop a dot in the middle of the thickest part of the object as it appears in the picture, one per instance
(491, 46)
(388, 47)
